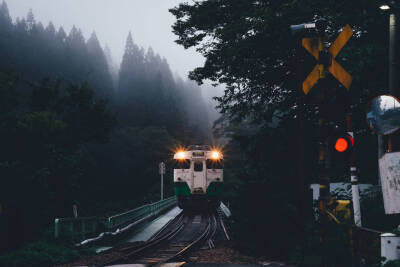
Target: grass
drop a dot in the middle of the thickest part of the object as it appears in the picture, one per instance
(42, 253)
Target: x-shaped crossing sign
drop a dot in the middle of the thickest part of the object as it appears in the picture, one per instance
(311, 45)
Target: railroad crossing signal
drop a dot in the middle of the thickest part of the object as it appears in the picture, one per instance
(327, 57)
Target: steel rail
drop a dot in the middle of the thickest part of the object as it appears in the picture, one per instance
(160, 236)
(206, 235)
(178, 224)
(164, 234)
(180, 217)
(221, 222)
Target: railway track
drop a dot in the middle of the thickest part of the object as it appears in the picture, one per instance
(175, 240)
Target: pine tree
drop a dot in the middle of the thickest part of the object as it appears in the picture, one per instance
(100, 77)
(5, 35)
(77, 56)
(132, 68)
(30, 20)
(5, 18)
(111, 66)
(61, 35)
(50, 31)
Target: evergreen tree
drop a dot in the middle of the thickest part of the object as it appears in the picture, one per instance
(100, 76)
(77, 68)
(5, 35)
(131, 70)
(5, 18)
(30, 20)
(111, 66)
(61, 35)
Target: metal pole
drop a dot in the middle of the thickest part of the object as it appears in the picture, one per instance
(393, 61)
(394, 141)
(56, 228)
(161, 168)
(354, 179)
(304, 205)
(323, 162)
(162, 185)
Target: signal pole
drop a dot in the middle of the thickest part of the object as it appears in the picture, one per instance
(325, 63)
(323, 164)
(393, 57)
(394, 140)
(354, 178)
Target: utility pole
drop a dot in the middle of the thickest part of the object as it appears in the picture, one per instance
(393, 140)
(393, 57)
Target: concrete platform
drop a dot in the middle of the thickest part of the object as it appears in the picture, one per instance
(183, 264)
(269, 264)
(152, 227)
(171, 264)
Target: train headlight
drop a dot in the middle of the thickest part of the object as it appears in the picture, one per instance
(180, 155)
(215, 155)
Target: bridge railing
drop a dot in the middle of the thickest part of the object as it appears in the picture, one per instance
(131, 216)
(81, 228)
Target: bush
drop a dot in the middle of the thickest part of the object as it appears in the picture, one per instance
(40, 253)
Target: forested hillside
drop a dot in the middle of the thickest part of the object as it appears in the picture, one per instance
(74, 129)
(249, 47)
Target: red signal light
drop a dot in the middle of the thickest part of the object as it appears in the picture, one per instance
(343, 144)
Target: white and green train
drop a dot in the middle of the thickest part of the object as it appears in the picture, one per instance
(198, 177)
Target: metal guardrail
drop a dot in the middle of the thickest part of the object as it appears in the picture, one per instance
(81, 228)
(122, 219)
(76, 228)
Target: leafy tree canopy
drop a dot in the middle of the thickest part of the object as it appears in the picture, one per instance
(249, 47)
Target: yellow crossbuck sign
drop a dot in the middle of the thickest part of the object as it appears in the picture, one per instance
(312, 46)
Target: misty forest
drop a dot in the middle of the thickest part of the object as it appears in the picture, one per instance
(74, 128)
(77, 127)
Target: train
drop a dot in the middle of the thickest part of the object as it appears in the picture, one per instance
(198, 177)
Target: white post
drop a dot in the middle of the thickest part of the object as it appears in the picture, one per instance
(56, 228)
(356, 197)
(162, 186)
(162, 172)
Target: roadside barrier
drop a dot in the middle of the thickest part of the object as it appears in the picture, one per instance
(131, 216)
(76, 228)
(85, 227)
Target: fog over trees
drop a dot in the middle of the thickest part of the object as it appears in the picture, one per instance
(85, 130)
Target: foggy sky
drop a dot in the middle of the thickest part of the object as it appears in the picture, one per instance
(148, 20)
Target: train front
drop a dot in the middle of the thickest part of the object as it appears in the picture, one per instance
(198, 177)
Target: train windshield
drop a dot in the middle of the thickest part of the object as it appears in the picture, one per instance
(198, 166)
(214, 164)
(182, 164)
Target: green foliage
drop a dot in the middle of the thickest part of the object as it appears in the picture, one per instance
(41, 254)
(249, 48)
(394, 263)
(372, 208)
(337, 249)
(41, 157)
(61, 142)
